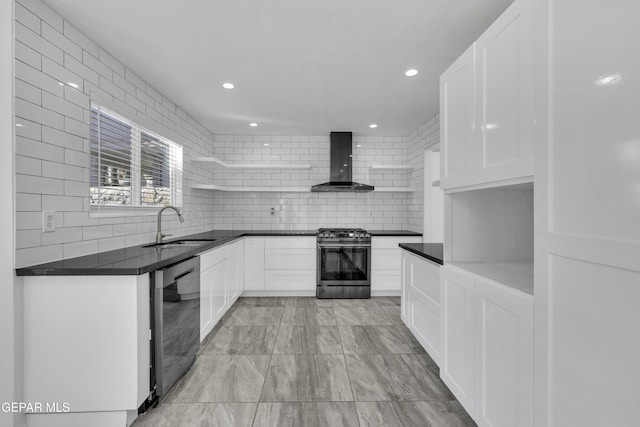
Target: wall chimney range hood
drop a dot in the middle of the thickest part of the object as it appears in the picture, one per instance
(340, 167)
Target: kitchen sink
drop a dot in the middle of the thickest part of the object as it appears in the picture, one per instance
(180, 243)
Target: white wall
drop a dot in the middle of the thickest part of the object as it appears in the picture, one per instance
(424, 136)
(237, 210)
(10, 301)
(52, 145)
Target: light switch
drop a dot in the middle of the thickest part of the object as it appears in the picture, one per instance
(48, 221)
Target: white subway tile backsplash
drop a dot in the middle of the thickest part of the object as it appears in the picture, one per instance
(62, 203)
(37, 78)
(62, 139)
(76, 249)
(76, 158)
(28, 55)
(75, 127)
(61, 74)
(38, 185)
(37, 43)
(80, 39)
(28, 238)
(28, 92)
(97, 232)
(76, 188)
(28, 166)
(60, 106)
(38, 114)
(58, 39)
(82, 70)
(62, 235)
(39, 150)
(28, 202)
(111, 62)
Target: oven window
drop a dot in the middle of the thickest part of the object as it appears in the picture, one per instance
(344, 264)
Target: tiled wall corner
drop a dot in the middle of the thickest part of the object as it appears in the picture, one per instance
(52, 146)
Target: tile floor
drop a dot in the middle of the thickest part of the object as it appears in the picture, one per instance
(303, 362)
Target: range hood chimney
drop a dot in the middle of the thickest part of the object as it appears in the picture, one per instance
(340, 166)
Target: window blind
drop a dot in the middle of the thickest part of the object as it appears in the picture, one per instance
(130, 165)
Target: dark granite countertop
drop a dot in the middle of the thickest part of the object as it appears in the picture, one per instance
(431, 251)
(139, 259)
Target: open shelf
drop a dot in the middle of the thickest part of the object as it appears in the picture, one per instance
(216, 187)
(515, 275)
(391, 166)
(216, 161)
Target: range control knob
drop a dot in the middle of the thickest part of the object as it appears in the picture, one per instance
(367, 235)
(332, 235)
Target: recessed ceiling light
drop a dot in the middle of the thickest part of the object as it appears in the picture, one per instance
(411, 72)
(358, 145)
(74, 85)
(266, 144)
(228, 85)
(253, 125)
(373, 125)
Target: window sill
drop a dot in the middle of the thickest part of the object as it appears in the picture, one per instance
(116, 211)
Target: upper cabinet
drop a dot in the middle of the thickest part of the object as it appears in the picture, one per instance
(486, 104)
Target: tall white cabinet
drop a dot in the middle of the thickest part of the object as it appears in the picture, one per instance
(587, 198)
(486, 105)
(486, 309)
(554, 121)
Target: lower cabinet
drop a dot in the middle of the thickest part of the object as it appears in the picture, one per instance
(386, 273)
(221, 283)
(420, 303)
(487, 331)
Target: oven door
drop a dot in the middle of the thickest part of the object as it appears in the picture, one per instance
(344, 265)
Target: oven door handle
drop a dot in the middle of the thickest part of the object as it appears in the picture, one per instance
(343, 245)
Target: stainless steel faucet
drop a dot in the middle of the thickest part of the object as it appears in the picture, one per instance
(159, 235)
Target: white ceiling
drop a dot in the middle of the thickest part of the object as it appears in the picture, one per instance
(301, 67)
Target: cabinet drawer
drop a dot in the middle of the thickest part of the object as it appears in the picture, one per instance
(393, 242)
(212, 257)
(386, 280)
(290, 259)
(425, 324)
(290, 280)
(385, 259)
(426, 279)
(290, 242)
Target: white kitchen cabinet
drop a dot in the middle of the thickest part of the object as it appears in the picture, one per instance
(503, 356)
(213, 288)
(254, 263)
(587, 213)
(290, 264)
(420, 304)
(487, 348)
(386, 274)
(86, 342)
(486, 104)
(457, 122)
(236, 271)
(457, 323)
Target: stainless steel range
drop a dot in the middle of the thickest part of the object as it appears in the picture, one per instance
(344, 263)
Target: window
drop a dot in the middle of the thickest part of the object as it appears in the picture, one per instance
(130, 165)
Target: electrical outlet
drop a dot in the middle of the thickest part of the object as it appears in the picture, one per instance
(48, 221)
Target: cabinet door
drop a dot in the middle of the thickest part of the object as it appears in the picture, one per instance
(425, 306)
(219, 277)
(504, 357)
(206, 303)
(457, 122)
(405, 300)
(457, 317)
(237, 260)
(254, 263)
(504, 96)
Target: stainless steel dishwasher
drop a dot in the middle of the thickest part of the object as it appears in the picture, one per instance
(176, 323)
